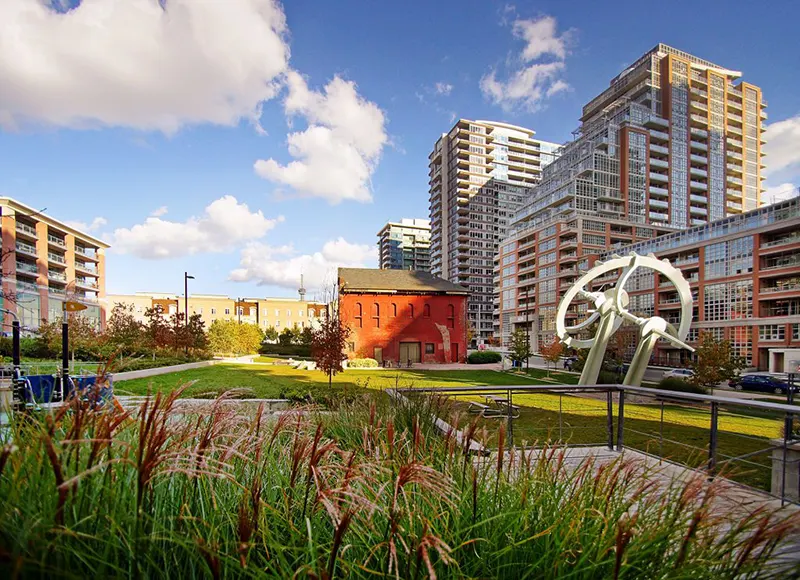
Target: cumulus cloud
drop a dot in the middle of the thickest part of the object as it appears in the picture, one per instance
(224, 224)
(782, 150)
(443, 88)
(778, 193)
(158, 212)
(335, 156)
(92, 226)
(533, 75)
(282, 266)
(145, 64)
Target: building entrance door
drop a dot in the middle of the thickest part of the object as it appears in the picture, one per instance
(377, 354)
(409, 351)
(454, 352)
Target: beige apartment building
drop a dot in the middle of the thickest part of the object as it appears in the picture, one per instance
(265, 312)
(674, 142)
(405, 245)
(480, 173)
(46, 262)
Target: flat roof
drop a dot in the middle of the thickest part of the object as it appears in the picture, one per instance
(36, 214)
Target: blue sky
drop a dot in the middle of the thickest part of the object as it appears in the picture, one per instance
(157, 128)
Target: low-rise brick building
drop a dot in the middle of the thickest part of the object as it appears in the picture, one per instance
(399, 316)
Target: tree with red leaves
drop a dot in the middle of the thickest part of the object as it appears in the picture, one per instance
(552, 352)
(328, 343)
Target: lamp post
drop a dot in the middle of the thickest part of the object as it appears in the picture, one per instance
(239, 309)
(527, 332)
(186, 279)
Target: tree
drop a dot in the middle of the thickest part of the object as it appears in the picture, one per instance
(178, 331)
(197, 333)
(552, 352)
(123, 331)
(327, 345)
(157, 330)
(520, 347)
(248, 338)
(715, 362)
(231, 337)
(271, 334)
(306, 336)
(286, 337)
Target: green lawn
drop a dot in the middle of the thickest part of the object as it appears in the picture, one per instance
(582, 419)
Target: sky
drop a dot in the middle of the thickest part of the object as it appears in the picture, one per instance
(248, 142)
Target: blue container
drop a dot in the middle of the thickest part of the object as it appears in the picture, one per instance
(40, 388)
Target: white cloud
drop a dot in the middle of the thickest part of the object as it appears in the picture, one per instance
(93, 226)
(135, 64)
(335, 156)
(778, 193)
(224, 224)
(443, 88)
(158, 212)
(282, 266)
(529, 83)
(782, 150)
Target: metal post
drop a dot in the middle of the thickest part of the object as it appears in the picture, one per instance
(712, 444)
(560, 421)
(527, 334)
(621, 420)
(661, 435)
(787, 434)
(64, 357)
(19, 389)
(510, 421)
(610, 419)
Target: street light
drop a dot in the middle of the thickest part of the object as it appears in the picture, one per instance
(186, 279)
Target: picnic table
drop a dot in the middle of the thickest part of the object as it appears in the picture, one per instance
(495, 406)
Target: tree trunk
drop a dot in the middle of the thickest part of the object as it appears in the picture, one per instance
(330, 379)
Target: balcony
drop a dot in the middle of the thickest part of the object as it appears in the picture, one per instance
(792, 285)
(733, 142)
(85, 268)
(26, 230)
(660, 177)
(27, 269)
(698, 146)
(658, 216)
(699, 119)
(693, 209)
(697, 172)
(57, 258)
(86, 283)
(57, 292)
(656, 190)
(780, 262)
(790, 239)
(659, 163)
(27, 287)
(734, 129)
(609, 208)
(568, 243)
(57, 276)
(735, 117)
(26, 249)
(697, 132)
(659, 149)
(658, 136)
(686, 260)
(698, 222)
(654, 122)
(699, 92)
(735, 155)
(698, 185)
(658, 203)
(699, 106)
(699, 158)
(698, 198)
(734, 168)
(735, 180)
(763, 113)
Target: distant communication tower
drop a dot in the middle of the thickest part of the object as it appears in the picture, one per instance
(301, 290)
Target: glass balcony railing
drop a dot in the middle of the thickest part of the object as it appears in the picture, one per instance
(27, 287)
(782, 262)
(56, 258)
(58, 276)
(56, 240)
(25, 228)
(26, 248)
(792, 239)
(23, 267)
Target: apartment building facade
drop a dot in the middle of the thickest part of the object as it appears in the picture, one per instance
(46, 262)
(744, 272)
(279, 313)
(405, 245)
(480, 173)
(674, 142)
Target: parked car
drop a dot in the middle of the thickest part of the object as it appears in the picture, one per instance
(684, 374)
(763, 383)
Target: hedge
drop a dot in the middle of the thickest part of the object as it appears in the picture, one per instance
(362, 363)
(285, 349)
(483, 357)
(679, 385)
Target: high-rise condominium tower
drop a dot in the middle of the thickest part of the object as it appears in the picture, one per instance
(674, 142)
(405, 245)
(480, 173)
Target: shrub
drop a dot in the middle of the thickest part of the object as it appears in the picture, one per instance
(290, 350)
(679, 385)
(362, 363)
(483, 357)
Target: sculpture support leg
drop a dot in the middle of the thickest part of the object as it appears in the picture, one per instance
(641, 358)
(594, 361)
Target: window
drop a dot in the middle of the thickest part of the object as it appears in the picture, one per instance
(200, 310)
(300, 313)
(376, 315)
(795, 331)
(393, 310)
(311, 314)
(277, 324)
(771, 332)
(227, 311)
(351, 346)
(213, 311)
(451, 316)
(359, 315)
(429, 348)
(239, 310)
(253, 311)
(277, 312)
(411, 310)
(426, 311)
(288, 314)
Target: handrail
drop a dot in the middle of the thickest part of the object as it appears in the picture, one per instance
(782, 407)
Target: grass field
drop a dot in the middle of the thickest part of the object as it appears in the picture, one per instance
(683, 436)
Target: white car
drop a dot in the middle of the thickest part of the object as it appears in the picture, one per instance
(679, 374)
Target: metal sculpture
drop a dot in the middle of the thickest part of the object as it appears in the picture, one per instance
(610, 311)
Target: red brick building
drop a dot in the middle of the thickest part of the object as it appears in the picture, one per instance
(403, 315)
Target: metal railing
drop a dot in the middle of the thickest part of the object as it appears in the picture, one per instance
(751, 443)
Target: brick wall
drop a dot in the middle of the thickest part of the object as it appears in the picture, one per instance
(384, 321)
